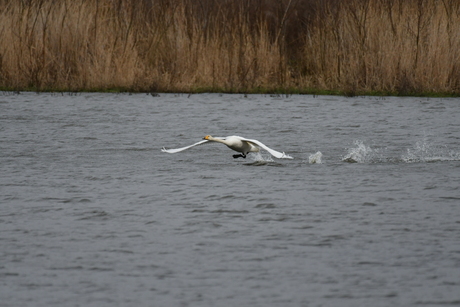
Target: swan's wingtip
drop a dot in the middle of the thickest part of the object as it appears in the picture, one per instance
(286, 156)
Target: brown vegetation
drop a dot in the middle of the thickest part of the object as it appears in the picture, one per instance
(355, 46)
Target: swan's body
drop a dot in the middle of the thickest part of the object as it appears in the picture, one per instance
(237, 143)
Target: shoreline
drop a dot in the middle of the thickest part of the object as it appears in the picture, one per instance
(274, 92)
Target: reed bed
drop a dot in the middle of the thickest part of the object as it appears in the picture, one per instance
(405, 47)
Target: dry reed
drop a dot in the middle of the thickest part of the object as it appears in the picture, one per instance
(356, 46)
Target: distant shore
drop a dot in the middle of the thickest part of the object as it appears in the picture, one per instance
(276, 92)
(319, 47)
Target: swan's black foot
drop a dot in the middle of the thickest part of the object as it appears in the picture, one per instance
(239, 156)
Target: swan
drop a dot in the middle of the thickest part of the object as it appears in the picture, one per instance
(237, 143)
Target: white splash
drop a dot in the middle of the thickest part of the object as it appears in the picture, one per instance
(258, 157)
(360, 153)
(315, 158)
(426, 151)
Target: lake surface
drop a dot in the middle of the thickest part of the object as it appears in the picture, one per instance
(92, 212)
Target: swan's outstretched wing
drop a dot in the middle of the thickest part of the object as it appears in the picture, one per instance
(183, 148)
(276, 154)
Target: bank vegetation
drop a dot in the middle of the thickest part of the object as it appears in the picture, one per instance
(400, 47)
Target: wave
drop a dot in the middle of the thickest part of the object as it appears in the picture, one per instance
(422, 151)
(425, 151)
(315, 158)
(361, 153)
(259, 159)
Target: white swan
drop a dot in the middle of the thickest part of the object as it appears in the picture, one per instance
(237, 143)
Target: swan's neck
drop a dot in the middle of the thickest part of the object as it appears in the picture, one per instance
(213, 139)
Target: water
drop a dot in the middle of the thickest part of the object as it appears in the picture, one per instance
(94, 214)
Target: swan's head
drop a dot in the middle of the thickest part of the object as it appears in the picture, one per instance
(207, 137)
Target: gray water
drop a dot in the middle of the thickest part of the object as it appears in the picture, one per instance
(92, 212)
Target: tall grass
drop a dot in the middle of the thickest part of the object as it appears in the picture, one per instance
(388, 46)
(393, 46)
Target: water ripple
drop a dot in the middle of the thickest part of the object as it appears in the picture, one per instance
(93, 213)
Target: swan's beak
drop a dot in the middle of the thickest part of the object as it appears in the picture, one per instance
(206, 137)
